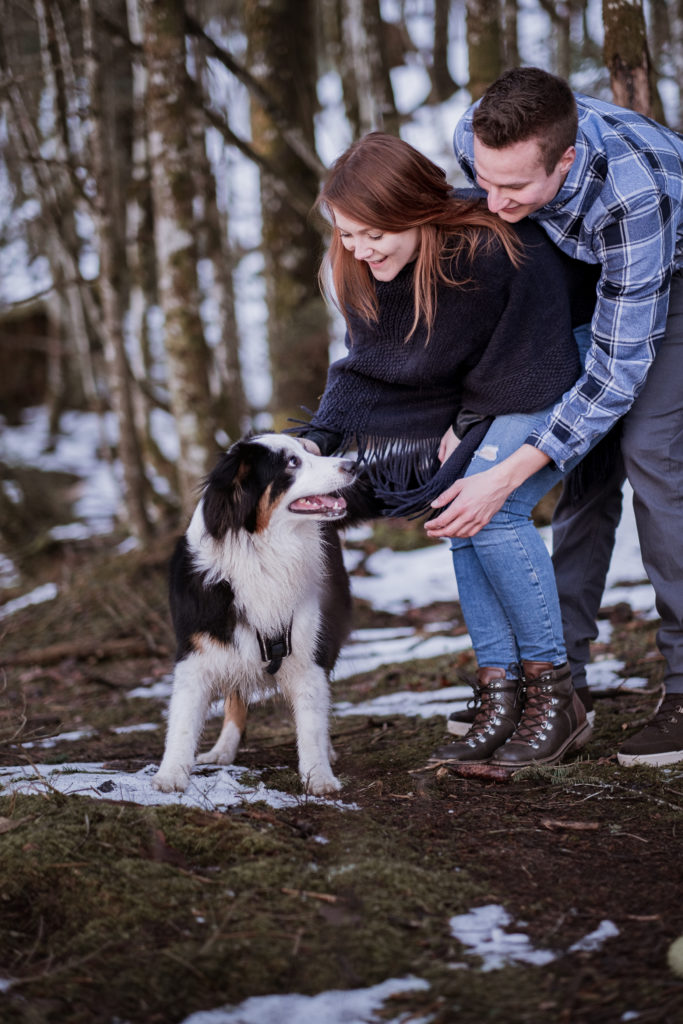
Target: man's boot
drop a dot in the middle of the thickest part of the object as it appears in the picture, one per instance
(553, 723)
(496, 718)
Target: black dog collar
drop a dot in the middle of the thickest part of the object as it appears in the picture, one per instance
(274, 649)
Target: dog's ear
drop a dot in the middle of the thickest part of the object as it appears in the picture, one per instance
(230, 491)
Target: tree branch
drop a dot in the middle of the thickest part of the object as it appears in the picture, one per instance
(288, 131)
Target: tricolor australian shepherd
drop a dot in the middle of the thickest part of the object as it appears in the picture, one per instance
(259, 595)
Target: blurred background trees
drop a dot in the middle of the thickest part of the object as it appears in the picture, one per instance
(158, 163)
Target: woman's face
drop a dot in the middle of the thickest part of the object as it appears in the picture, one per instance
(385, 252)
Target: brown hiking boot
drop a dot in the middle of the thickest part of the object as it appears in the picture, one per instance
(554, 720)
(495, 718)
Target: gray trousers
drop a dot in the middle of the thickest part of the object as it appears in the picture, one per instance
(583, 531)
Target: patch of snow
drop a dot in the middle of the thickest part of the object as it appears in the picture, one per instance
(212, 788)
(46, 592)
(338, 1006)
(390, 649)
(400, 580)
(594, 940)
(603, 675)
(482, 931)
(62, 737)
(71, 531)
(413, 703)
(9, 577)
(161, 690)
(120, 730)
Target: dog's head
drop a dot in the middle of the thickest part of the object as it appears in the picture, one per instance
(272, 475)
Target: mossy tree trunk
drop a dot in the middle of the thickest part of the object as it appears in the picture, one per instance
(168, 117)
(281, 47)
(627, 58)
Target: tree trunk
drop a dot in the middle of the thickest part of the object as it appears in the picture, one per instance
(443, 85)
(677, 55)
(511, 57)
(365, 69)
(168, 116)
(213, 243)
(109, 282)
(627, 58)
(484, 45)
(280, 35)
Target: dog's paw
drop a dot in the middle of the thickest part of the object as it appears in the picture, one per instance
(321, 783)
(216, 757)
(171, 780)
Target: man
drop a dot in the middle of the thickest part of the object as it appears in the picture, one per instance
(606, 185)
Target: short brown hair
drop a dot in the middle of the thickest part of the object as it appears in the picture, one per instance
(528, 103)
(384, 182)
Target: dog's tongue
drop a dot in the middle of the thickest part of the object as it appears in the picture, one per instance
(315, 502)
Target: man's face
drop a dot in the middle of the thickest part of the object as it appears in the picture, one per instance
(515, 179)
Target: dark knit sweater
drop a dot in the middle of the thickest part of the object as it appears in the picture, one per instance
(500, 343)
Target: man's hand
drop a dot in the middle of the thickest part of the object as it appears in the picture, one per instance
(471, 502)
(449, 442)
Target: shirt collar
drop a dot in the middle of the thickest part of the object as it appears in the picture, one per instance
(573, 183)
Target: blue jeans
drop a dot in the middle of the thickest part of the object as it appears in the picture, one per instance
(505, 574)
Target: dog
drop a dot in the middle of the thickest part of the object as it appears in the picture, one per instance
(259, 595)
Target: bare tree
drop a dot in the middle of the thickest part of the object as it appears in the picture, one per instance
(364, 68)
(280, 36)
(109, 282)
(213, 247)
(168, 117)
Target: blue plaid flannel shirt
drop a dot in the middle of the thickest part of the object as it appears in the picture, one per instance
(621, 206)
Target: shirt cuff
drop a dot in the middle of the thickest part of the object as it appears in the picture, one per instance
(560, 454)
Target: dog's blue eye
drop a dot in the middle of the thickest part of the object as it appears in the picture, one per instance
(294, 461)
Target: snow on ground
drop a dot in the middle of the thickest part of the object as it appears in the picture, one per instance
(350, 1006)
(483, 932)
(212, 788)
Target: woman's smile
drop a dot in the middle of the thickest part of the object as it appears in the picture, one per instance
(385, 252)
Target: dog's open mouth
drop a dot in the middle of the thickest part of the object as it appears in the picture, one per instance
(330, 505)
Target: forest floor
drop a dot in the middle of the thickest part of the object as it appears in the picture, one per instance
(119, 912)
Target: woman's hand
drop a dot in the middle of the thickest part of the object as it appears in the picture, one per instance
(449, 442)
(468, 505)
(310, 446)
(471, 502)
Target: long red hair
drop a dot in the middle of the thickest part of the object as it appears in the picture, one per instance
(386, 183)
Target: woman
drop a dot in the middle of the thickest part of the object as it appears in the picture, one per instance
(459, 337)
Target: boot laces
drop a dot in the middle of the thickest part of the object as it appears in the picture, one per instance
(487, 715)
(539, 709)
